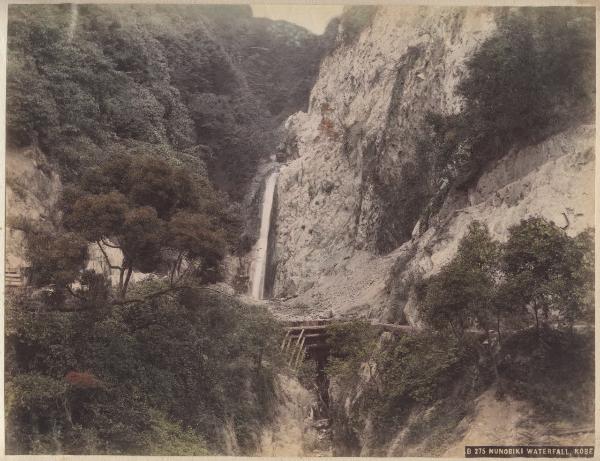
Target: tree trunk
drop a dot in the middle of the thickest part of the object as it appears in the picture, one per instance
(121, 274)
(498, 328)
(176, 267)
(127, 278)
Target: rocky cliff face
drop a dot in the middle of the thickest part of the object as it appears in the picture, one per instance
(350, 196)
(32, 191)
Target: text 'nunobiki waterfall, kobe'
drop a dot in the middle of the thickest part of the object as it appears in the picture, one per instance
(257, 278)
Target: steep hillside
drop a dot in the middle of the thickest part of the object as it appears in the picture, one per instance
(359, 218)
(210, 83)
(32, 190)
(156, 98)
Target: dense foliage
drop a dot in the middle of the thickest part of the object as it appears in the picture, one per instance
(462, 294)
(531, 78)
(423, 383)
(536, 289)
(161, 377)
(156, 118)
(539, 272)
(532, 297)
(350, 345)
(160, 217)
(209, 81)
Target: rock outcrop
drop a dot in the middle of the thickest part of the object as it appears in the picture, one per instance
(349, 197)
(32, 190)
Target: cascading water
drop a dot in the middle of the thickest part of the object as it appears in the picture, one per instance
(257, 279)
(73, 23)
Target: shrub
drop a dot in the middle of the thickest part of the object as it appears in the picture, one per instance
(160, 377)
(416, 382)
(354, 20)
(529, 79)
(350, 346)
(555, 374)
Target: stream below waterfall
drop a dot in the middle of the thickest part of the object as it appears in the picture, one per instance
(303, 426)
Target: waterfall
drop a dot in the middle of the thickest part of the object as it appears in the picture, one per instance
(73, 23)
(257, 280)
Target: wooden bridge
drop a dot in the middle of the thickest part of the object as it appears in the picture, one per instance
(13, 278)
(303, 337)
(309, 338)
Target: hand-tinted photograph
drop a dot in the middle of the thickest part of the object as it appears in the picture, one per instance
(299, 230)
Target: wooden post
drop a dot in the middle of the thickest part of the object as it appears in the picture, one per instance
(300, 354)
(284, 342)
(293, 352)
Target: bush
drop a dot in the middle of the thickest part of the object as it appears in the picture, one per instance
(354, 20)
(160, 377)
(531, 78)
(153, 74)
(555, 374)
(350, 346)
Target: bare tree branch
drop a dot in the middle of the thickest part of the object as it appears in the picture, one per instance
(110, 245)
(75, 295)
(110, 265)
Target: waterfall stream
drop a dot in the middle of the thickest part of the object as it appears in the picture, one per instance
(73, 22)
(257, 278)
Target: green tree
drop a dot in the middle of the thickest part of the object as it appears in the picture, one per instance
(546, 270)
(462, 294)
(532, 77)
(152, 212)
(55, 259)
(155, 377)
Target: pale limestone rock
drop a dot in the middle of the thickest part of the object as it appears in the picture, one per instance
(364, 116)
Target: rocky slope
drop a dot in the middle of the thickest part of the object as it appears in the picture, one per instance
(510, 422)
(348, 197)
(32, 191)
(293, 432)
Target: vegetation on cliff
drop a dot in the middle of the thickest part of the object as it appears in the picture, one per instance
(207, 81)
(156, 118)
(531, 78)
(514, 316)
(540, 276)
(529, 295)
(421, 384)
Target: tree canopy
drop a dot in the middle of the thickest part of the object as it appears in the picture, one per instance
(539, 270)
(547, 270)
(153, 212)
(210, 80)
(461, 295)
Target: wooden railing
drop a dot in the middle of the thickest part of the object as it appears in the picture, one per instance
(13, 278)
(307, 337)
